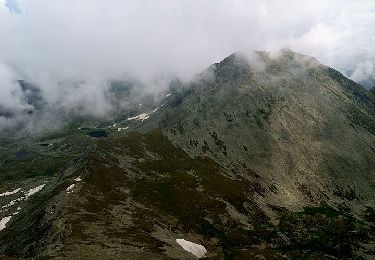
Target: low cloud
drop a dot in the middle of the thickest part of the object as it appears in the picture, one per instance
(72, 49)
(364, 71)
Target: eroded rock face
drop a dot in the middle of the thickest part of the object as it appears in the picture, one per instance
(272, 157)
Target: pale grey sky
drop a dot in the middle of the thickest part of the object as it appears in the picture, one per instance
(46, 42)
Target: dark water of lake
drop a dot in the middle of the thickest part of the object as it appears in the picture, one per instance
(23, 155)
(98, 133)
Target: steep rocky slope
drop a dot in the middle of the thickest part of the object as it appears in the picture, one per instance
(263, 155)
(305, 129)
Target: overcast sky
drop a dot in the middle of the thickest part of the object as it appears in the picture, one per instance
(46, 41)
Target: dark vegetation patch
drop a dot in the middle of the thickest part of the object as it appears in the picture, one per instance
(206, 147)
(228, 116)
(193, 142)
(261, 113)
(324, 230)
(349, 193)
(370, 214)
(219, 143)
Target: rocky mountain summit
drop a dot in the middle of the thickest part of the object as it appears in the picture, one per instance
(263, 155)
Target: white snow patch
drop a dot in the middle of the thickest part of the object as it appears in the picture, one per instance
(114, 125)
(18, 211)
(27, 195)
(122, 128)
(69, 189)
(196, 249)
(168, 95)
(10, 192)
(143, 116)
(10, 204)
(78, 179)
(34, 190)
(4, 221)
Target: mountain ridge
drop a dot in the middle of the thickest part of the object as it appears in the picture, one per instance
(263, 155)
